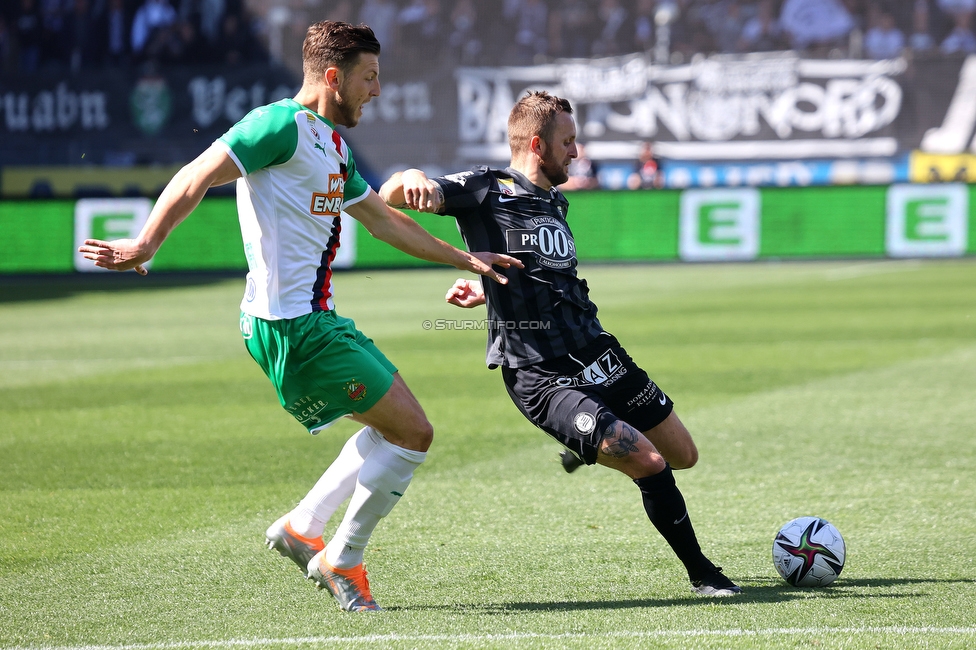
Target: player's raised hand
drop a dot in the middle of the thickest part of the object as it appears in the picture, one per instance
(419, 192)
(483, 262)
(117, 255)
(466, 293)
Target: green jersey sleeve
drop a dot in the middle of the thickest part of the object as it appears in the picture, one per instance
(266, 136)
(356, 187)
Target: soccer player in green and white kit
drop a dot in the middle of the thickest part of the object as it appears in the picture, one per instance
(295, 175)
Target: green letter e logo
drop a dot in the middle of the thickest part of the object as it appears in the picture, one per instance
(927, 220)
(718, 225)
(107, 219)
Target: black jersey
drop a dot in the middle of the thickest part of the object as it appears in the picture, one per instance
(544, 311)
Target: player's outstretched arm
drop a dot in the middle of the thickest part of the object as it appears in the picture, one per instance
(180, 197)
(466, 293)
(412, 189)
(402, 232)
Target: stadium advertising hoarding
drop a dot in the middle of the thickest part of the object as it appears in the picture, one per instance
(752, 120)
(717, 224)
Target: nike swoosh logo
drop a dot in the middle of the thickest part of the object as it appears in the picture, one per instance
(685, 516)
(663, 399)
(507, 199)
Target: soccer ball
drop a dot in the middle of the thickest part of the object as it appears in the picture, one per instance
(809, 552)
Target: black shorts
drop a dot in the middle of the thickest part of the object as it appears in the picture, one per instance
(576, 398)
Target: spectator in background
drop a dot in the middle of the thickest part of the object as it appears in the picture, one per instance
(113, 30)
(647, 175)
(464, 41)
(644, 26)
(207, 17)
(421, 33)
(27, 33)
(152, 16)
(958, 7)
(725, 22)
(53, 36)
(381, 16)
(961, 38)
(582, 172)
(689, 33)
(762, 32)
(573, 27)
(816, 23)
(612, 18)
(237, 44)
(183, 45)
(883, 39)
(80, 33)
(921, 39)
(8, 62)
(531, 29)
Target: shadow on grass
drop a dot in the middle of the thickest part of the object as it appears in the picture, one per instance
(27, 288)
(757, 590)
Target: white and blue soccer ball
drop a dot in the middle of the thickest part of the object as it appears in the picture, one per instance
(809, 552)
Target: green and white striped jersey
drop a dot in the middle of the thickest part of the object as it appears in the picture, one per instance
(297, 177)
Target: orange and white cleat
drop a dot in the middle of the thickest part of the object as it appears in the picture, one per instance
(349, 586)
(282, 537)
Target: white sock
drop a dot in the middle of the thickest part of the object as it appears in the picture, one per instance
(383, 479)
(335, 486)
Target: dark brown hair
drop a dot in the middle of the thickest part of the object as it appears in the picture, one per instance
(534, 114)
(331, 43)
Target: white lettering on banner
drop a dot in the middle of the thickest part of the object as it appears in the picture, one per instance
(212, 100)
(713, 101)
(59, 110)
(960, 117)
(409, 102)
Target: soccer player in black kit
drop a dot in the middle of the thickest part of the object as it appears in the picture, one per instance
(564, 372)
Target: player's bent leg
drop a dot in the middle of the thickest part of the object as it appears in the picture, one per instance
(386, 472)
(399, 417)
(627, 450)
(674, 442)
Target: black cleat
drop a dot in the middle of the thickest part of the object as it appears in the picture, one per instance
(569, 460)
(715, 584)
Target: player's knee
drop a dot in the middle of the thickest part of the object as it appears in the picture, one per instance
(419, 434)
(686, 458)
(640, 465)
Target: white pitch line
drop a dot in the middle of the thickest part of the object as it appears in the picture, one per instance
(516, 636)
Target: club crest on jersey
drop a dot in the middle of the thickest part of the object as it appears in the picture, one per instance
(506, 186)
(355, 390)
(549, 240)
(329, 204)
(584, 423)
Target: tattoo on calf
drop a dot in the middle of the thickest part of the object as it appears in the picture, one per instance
(619, 440)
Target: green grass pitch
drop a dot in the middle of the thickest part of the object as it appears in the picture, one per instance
(142, 455)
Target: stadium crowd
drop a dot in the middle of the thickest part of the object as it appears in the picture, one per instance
(77, 34)
(72, 35)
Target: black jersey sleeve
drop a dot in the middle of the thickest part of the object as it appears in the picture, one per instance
(464, 192)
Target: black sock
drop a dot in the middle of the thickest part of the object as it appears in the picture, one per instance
(666, 509)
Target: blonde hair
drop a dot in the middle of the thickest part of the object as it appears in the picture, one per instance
(534, 114)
